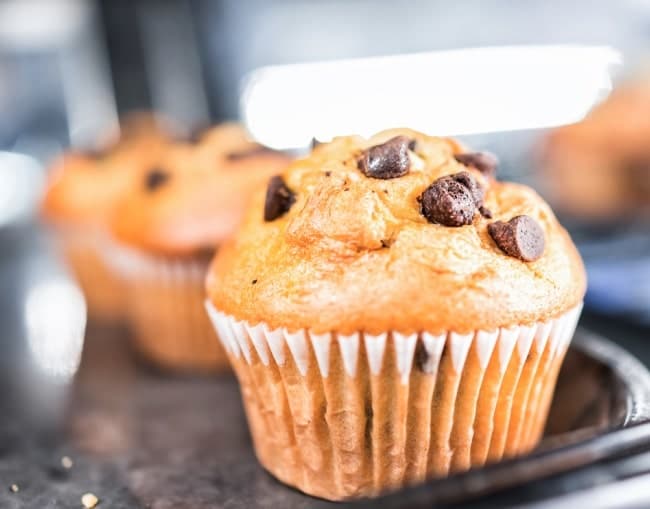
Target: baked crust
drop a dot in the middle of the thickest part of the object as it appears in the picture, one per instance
(355, 253)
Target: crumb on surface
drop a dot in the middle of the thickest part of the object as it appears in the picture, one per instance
(66, 462)
(14, 488)
(88, 500)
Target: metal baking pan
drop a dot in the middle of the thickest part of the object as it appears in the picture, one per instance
(139, 439)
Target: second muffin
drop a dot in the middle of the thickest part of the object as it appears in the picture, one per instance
(394, 313)
(169, 227)
(83, 190)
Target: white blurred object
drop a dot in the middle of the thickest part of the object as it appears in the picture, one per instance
(55, 318)
(21, 183)
(37, 24)
(457, 92)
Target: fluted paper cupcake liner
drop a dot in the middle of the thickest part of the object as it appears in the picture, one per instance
(82, 250)
(341, 416)
(165, 310)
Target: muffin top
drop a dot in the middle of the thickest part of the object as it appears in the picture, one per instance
(400, 232)
(195, 196)
(84, 186)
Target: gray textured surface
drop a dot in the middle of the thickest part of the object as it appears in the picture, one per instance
(138, 439)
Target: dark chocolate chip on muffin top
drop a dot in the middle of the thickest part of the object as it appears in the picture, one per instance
(485, 162)
(452, 200)
(521, 237)
(279, 199)
(387, 160)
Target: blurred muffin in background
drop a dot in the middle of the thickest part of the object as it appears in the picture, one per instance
(83, 189)
(168, 228)
(599, 169)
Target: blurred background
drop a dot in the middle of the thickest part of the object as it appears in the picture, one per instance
(295, 69)
(69, 69)
(558, 89)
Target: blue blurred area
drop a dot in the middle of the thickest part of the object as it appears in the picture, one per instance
(30, 98)
(619, 272)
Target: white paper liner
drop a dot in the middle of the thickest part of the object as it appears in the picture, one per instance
(165, 310)
(342, 416)
(240, 338)
(82, 248)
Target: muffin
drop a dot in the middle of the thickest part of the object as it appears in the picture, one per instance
(599, 169)
(394, 313)
(166, 231)
(83, 189)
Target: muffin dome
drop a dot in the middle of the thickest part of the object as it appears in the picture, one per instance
(194, 197)
(401, 232)
(85, 186)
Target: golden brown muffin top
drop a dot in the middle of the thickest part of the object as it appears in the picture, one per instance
(194, 198)
(84, 186)
(395, 237)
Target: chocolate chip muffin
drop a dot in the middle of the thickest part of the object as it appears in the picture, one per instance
(394, 312)
(83, 189)
(598, 169)
(167, 229)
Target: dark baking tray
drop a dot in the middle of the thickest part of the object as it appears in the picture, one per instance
(141, 439)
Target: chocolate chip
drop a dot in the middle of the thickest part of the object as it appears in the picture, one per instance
(388, 160)
(328, 173)
(468, 180)
(452, 200)
(485, 162)
(521, 237)
(447, 202)
(279, 199)
(485, 212)
(251, 152)
(254, 282)
(156, 178)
